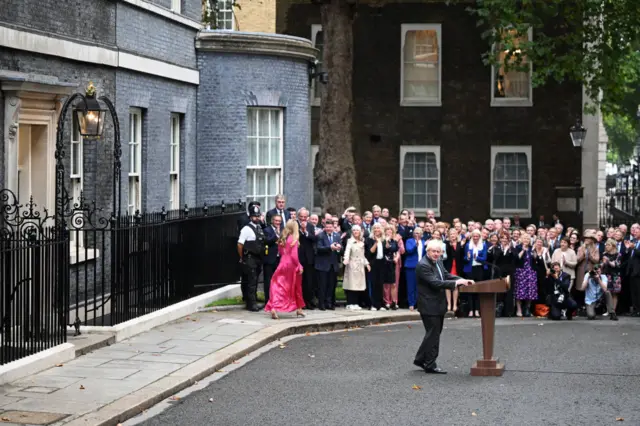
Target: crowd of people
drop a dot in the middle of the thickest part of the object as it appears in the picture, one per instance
(555, 270)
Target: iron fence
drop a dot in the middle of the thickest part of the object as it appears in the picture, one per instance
(33, 270)
(145, 262)
(618, 209)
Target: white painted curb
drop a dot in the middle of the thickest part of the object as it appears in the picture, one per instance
(37, 362)
(171, 313)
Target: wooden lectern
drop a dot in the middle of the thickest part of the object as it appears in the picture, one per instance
(486, 290)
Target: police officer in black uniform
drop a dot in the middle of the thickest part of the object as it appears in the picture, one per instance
(251, 246)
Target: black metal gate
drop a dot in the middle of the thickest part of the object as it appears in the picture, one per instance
(34, 271)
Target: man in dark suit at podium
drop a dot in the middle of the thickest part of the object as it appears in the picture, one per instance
(433, 280)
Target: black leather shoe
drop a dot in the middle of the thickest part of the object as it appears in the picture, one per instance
(331, 308)
(436, 370)
(322, 308)
(419, 365)
(613, 317)
(253, 308)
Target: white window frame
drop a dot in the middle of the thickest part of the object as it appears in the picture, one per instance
(135, 178)
(435, 149)
(223, 3)
(176, 6)
(281, 160)
(315, 29)
(314, 151)
(495, 150)
(174, 157)
(77, 185)
(420, 102)
(513, 102)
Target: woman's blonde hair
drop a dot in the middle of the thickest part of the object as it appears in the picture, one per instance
(360, 233)
(611, 242)
(373, 230)
(291, 229)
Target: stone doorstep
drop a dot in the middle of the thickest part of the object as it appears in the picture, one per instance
(138, 401)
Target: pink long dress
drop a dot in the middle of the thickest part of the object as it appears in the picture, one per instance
(285, 294)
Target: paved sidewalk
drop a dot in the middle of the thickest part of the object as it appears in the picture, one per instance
(119, 381)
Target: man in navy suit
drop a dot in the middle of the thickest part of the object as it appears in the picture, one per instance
(279, 210)
(327, 265)
(272, 258)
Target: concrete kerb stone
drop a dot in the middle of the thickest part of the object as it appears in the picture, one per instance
(37, 362)
(140, 400)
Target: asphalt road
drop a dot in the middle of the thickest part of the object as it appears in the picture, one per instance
(566, 373)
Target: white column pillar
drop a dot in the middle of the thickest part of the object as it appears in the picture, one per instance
(10, 135)
(590, 166)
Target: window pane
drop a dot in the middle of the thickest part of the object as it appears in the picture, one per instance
(76, 127)
(263, 122)
(273, 182)
(275, 152)
(250, 184)
(420, 186)
(261, 182)
(420, 201)
(76, 156)
(523, 202)
(432, 166)
(432, 186)
(253, 121)
(275, 123)
(512, 84)
(421, 65)
(407, 186)
(263, 151)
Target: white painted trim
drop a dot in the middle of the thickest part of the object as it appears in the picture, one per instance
(24, 40)
(510, 150)
(417, 102)
(174, 128)
(512, 102)
(136, 142)
(314, 151)
(159, 68)
(166, 13)
(51, 46)
(37, 362)
(435, 149)
(315, 28)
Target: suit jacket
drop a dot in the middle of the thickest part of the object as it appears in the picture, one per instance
(503, 259)
(306, 249)
(432, 284)
(468, 257)
(271, 241)
(406, 232)
(632, 257)
(325, 258)
(411, 253)
(274, 212)
(457, 254)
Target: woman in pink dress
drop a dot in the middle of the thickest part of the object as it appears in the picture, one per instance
(285, 294)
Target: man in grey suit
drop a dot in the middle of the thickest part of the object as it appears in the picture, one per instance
(433, 280)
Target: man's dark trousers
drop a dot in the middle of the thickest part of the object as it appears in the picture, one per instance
(428, 351)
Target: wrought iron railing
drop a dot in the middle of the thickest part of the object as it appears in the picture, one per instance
(33, 273)
(145, 262)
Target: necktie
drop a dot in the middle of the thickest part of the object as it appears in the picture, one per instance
(330, 238)
(439, 271)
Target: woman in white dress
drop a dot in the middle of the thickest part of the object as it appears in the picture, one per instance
(354, 280)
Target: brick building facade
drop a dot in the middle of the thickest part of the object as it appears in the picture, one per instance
(187, 116)
(451, 139)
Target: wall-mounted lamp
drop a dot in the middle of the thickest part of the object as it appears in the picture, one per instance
(315, 72)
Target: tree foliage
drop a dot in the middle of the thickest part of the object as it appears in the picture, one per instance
(593, 42)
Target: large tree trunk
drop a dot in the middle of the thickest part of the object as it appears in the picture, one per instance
(335, 171)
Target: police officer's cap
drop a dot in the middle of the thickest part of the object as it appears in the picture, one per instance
(254, 211)
(251, 204)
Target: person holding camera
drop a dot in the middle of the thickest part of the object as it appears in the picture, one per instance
(595, 288)
(561, 297)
